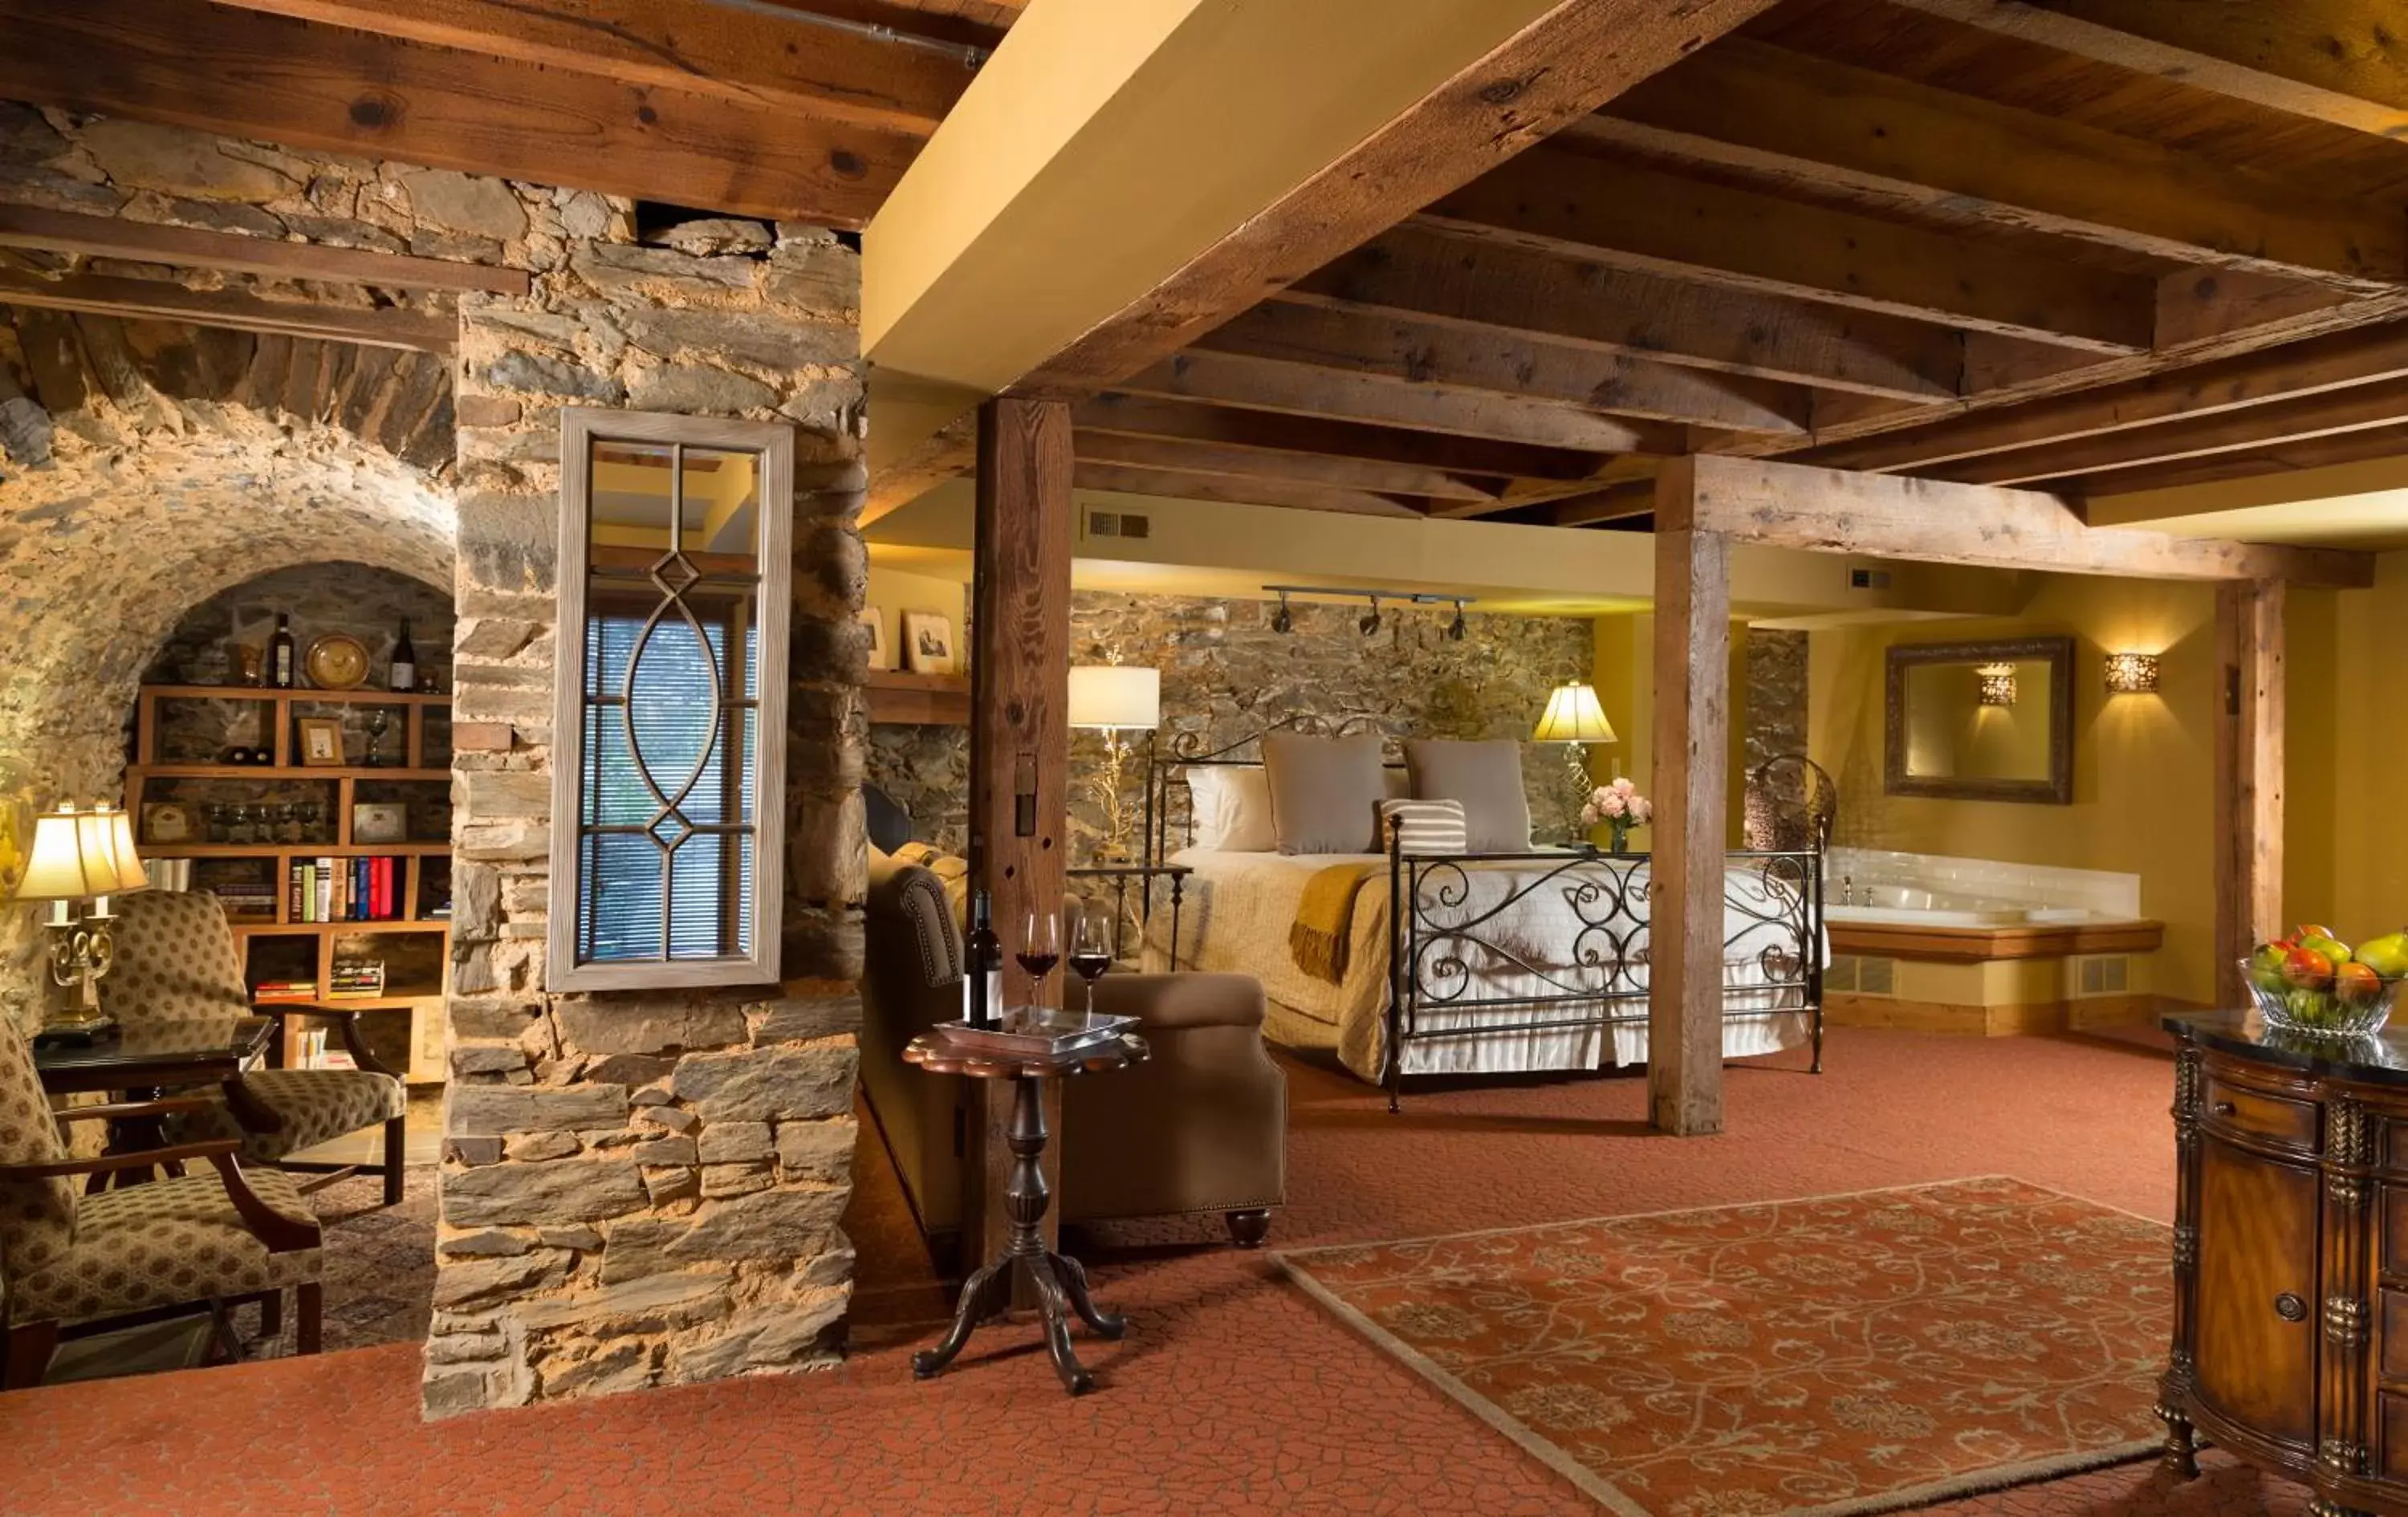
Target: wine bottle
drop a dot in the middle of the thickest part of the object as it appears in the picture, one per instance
(982, 967)
(280, 654)
(404, 671)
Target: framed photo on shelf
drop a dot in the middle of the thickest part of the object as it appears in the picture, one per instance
(873, 621)
(321, 742)
(379, 821)
(928, 642)
(168, 822)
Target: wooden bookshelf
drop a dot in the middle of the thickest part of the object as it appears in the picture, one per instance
(282, 857)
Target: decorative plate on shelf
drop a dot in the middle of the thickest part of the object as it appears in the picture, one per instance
(337, 661)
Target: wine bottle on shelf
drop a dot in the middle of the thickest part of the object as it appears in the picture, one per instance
(982, 967)
(281, 661)
(402, 675)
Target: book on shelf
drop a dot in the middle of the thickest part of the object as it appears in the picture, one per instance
(283, 989)
(362, 889)
(171, 874)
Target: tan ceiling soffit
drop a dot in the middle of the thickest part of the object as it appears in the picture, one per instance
(1130, 172)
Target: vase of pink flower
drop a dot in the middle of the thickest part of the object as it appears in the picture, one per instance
(1618, 807)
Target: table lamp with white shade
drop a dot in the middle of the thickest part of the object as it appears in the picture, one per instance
(1574, 719)
(81, 856)
(1114, 700)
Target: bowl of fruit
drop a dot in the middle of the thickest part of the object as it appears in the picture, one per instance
(2313, 982)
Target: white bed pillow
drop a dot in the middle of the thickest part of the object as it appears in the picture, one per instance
(1232, 804)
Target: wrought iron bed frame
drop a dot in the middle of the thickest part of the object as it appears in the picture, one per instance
(1438, 947)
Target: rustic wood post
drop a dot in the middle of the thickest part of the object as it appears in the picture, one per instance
(1020, 742)
(1684, 999)
(2248, 796)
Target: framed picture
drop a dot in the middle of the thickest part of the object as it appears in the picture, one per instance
(874, 620)
(167, 821)
(928, 642)
(321, 742)
(379, 821)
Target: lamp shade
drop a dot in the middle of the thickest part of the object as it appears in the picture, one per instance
(1573, 715)
(1115, 695)
(77, 855)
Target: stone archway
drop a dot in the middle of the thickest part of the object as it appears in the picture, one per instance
(150, 467)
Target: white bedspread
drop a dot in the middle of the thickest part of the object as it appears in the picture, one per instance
(1239, 908)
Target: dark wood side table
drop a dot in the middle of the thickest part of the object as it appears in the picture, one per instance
(1120, 875)
(1057, 1280)
(148, 1059)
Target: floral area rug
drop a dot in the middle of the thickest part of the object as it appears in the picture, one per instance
(1840, 1354)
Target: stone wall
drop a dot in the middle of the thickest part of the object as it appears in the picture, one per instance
(1226, 674)
(643, 1189)
(1776, 713)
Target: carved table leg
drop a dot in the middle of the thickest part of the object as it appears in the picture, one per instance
(1073, 1277)
(2322, 1507)
(987, 1291)
(2181, 1456)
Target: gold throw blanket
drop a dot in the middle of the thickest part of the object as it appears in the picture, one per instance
(1324, 930)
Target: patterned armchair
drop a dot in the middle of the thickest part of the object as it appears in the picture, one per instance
(175, 957)
(68, 1261)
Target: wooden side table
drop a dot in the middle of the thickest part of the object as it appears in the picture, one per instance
(1057, 1280)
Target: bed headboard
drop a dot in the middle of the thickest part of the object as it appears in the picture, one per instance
(1172, 806)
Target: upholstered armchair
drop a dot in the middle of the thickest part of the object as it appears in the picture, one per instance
(71, 1262)
(175, 957)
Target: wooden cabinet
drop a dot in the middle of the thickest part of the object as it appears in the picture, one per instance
(2290, 1344)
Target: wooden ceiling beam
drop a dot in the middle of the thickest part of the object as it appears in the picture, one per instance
(1264, 463)
(1507, 362)
(1938, 521)
(1494, 286)
(185, 246)
(2330, 61)
(1560, 200)
(1788, 120)
(1240, 491)
(2358, 408)
(2335, 363)
(1263, 385)
(431, 332)
(2285, 458)
(1147, 416)
(969, 24)
(789, 62)
(192, 64)
(1615, 503)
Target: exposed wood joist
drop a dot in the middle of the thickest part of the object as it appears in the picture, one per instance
(2278, 458)
(1490, 286)
(1452, 357)
(789, 62)
(2358, 408)
(1147, 416)
(972, 24)
(1615, 503)
(2331, 61)
(2368, 356)
(1553, 71)
(1368, 474)
(1790, 119)
(1264, 384)
(1245, 490)
(937, 459)
(1934, 521)
(184, 247)
(1560, 200)
(433, 331)
(193, 65)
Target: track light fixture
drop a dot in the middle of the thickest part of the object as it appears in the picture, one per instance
(1455, 629)
(1282, 619)
(1369, 624)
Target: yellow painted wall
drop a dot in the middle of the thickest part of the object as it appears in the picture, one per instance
(1625, 678)
(892, 592)
(2367, 681)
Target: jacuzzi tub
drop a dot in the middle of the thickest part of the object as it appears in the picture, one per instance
(1906, 905)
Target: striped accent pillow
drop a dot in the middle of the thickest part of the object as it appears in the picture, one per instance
(1425, 827)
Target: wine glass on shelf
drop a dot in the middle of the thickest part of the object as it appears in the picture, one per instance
(1040, 949)
(1091, 949)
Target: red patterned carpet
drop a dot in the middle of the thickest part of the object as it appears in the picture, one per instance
(1234, 1392)
(1844, 1353)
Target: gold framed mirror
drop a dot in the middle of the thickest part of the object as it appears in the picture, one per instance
(1981, 720)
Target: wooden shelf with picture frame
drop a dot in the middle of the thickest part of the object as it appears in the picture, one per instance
(356, 817)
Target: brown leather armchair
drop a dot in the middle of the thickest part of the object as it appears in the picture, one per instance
(1200, 1127)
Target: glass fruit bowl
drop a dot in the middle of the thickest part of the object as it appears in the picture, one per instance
(2348, 1010)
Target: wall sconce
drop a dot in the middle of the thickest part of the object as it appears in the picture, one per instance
(2131, 674)
(1998, 683)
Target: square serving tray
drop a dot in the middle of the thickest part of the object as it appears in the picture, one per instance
(1037, 1032)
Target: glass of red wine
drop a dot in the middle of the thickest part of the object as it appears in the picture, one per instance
(1040, 949)
(1091, 949)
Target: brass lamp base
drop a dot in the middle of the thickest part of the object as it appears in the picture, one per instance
(75, 1034)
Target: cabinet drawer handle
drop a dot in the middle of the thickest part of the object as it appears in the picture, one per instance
(2224, 1108)
(2290, 1308)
